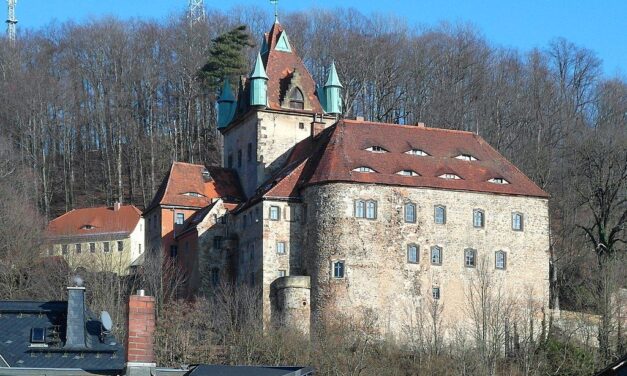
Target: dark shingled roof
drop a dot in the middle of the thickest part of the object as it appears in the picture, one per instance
(18, 318)
(211, 370)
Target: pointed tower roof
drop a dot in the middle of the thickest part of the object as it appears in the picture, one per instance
(280, 64)
(226, 95)
(259, 71)
(333, 79)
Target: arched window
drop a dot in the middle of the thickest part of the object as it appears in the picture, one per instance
(296, 99)
(412, 254)
(517, 221)
(440, 214)
(436, 255)
(371, 209)
(478, 218)
(410, 213)
(360, 209)
(338, 269)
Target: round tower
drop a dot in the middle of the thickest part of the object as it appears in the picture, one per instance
(290, 302)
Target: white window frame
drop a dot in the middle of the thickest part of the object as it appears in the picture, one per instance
(281, 247)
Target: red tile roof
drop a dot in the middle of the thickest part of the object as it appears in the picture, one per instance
(340, 149)
(185, 181)
(280, 66)
(103, 219)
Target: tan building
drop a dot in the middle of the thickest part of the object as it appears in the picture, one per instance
(107, 239)
(350, 217)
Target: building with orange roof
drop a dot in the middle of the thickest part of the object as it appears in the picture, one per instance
(105, 238)
(331, 217)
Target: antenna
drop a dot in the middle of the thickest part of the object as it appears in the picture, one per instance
(276, 10)
(196, 11)
(11, 20)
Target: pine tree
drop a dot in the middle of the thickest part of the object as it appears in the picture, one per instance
(226, 58)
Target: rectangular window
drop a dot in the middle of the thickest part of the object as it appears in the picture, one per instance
(282, 273)
(230, 161)
(338, 269)
(249, 154)
(239, 158)
(78, 247)
(436, 255)
(478, 218)
(120, 246)
(410, 213)
(412, 254)
(301, 125)
(440, 215)
(275, 213)
(435, 293)
(280, 248)
(105, 246)
(180, 218)
(64, 249)
(371, 209)
(174, 250)
(360, 209)
(517, 221)
(92, 247)
(470, 256)
(500, 260)
(215, 277)
(217, 242)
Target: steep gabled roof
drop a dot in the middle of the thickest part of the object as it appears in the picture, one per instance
(280, 66)
(340, 149)
(194, 186)
(95, 221)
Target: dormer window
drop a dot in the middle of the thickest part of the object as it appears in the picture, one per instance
(498, 181)
(408, 173)
(193, 194)
(364, 169)
(418, 152)
(88, 227)
(296, 99)
(377, 149)
(466, 157)
(449, 176)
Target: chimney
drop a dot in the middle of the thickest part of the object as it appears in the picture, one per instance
(117, 206)
(359, 118)
(75, 332)
(420, 125)
(140, 358)
(317, 125)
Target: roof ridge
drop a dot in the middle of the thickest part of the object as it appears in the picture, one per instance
(408, 126)
(187, 163)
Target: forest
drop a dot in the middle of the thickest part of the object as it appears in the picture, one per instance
(95, 112)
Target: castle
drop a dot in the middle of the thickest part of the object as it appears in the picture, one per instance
(326, 215)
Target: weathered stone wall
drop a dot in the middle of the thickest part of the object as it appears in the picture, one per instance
(378, 277)
(290, 302)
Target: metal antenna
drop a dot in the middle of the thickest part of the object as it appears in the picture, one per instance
(11, 21)
(276, 10)
(196, 11)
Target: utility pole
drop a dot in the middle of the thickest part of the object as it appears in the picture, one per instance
(11, 21)
(196, 11)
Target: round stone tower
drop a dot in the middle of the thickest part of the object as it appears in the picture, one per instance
(290, 302)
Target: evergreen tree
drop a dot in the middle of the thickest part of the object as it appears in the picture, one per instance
(226, 58)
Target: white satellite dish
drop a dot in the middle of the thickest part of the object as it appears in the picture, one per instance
(105, 319)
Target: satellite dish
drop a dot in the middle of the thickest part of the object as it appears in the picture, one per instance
(105, 319)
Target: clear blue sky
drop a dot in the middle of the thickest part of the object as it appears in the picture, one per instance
(600, 25)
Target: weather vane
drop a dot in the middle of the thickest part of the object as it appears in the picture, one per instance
(276, 10)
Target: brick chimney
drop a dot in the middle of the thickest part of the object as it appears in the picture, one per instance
(317, 125)
(140, 357)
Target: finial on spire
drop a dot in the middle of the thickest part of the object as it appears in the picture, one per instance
(276, 10)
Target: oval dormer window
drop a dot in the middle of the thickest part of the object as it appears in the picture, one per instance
(377, 149)
(418, 152)
(408, 173)
(193, 194)
(498, 181)
(449, 176)
(296, 99)
(364, 169)
(466, 157)
(88, 227)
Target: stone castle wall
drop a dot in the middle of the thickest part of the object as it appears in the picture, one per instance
(378, 279)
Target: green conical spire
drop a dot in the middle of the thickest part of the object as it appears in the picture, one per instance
(258, 84)
(333, 79)
(259, 71)
(226, 105)
(332, 92)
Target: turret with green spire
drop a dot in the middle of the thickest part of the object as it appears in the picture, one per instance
(226, 105)
(332, 92)
(258, 84)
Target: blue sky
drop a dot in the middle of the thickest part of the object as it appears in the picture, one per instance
(599, 25)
